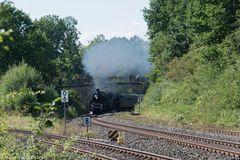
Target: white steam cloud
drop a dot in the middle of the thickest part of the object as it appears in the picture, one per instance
(118, 57)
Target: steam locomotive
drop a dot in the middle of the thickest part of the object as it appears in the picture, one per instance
(116, 94)
(102, 102)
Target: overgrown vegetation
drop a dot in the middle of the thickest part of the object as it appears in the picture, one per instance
(50, 44)
(195, 50)
(34, 57)
(19, 77)
(37, 56)
(29, 149)
(13, 147)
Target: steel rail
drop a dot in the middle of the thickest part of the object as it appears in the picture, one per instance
(95, 156)
(232, 133)
(170, 136)
(124, 150)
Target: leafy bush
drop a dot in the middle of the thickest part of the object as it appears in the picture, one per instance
(201, 87)
(178, 69)
(21, 76)
(75, 104)
(47, 94)
(12, 148)
(22, 101)
(75, 108)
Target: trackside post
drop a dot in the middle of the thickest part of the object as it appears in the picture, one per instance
(87, 122)
(64, 100)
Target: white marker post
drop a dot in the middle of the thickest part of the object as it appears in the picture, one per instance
(87, 122)
(64, 99)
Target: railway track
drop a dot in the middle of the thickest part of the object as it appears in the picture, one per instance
(213, 145)
(232, 133)
(115, 151)
(209, 130)
(93, 155)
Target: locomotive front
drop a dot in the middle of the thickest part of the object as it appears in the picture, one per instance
(100, 102)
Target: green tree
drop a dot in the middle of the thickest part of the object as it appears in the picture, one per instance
(171, 19)
(20, 23)
(55, 41)
(98, 39)
(212, 20)
(69, 63)
(50, 44)
(174, 26)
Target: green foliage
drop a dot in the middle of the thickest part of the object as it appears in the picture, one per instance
(175, 26)
(21, 76)
(21, 101)
(4, 37)
(215, 57)
(22, 90)
(159, 55)
(12, 148)
(44, 111)
(98, 39)
(3, 127)
(178, 69)
(59, 55)
(202, 87)
(195, 50)
(74, 107)
(19, 23)
(47, 94)
(212, 20)
(50, 45)
(30, 148)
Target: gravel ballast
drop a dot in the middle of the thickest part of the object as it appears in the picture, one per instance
(158, 145)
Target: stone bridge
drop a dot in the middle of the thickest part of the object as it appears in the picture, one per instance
(85, 91)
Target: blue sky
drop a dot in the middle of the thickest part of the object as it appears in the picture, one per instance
(108, 17)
